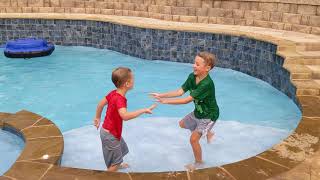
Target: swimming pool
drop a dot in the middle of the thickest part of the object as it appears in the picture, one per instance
(66, 86)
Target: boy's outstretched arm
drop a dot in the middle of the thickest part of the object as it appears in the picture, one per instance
(100, 106)
(185, 100)
(125, 115)
(178, 92)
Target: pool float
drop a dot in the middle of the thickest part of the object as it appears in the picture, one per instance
(28, 48)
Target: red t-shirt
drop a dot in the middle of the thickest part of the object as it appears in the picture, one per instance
(113, 121)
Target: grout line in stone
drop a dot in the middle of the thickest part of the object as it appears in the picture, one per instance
(129, 176)
(227, 172)
(273, 162)
(35, 160)
(311, 117)
(32, 124)
(37, 126)
(188, 175)
(44, 125)
(37, 121)
(305, 95)
(43, 137)
(46, 171)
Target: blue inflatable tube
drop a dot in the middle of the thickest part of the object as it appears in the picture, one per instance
(28, 48)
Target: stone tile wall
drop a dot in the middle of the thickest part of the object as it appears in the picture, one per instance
(253, 57)
(292, 15)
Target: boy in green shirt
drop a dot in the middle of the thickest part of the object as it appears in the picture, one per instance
(202, 93)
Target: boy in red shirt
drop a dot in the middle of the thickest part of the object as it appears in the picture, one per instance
(113, 145)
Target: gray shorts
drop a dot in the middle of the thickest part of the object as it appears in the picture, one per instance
(200, 125)
(113, 149)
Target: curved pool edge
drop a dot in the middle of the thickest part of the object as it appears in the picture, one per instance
(293, 158)
(43, 144)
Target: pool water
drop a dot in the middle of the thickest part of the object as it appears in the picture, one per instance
(10, 148)
(66, 87)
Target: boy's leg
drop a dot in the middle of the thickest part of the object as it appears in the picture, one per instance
(191, 122)
(107, 152)
(197, 152)
(207, 131)
(188, 122)
(210, 136)
(118, 156)
(196, 148)
(124, 147)
(113, 151)
(181, 124)
(124, 151)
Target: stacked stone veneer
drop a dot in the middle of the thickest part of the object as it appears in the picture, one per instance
(254, 57)
(293, 15)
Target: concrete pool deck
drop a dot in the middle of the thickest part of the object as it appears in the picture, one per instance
(297, 157)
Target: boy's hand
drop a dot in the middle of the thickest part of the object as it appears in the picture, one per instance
(161, 100)
(155, 95)
(96, 122)
(153, 106)
(149, 110)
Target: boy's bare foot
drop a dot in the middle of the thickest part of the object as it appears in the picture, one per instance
(210, 137)
(194, 166)
(123, 166)
(115, 168)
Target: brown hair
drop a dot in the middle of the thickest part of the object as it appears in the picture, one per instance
(120, 75)
(209, 58)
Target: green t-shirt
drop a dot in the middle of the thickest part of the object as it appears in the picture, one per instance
(204, 97)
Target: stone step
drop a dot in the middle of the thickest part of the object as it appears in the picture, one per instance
(301, 57)
(303, 60)
(317, 81)
(298, 72)
(303, 72)
(308, 46)
(315, 69)
(310, 54)
(307, 87)
(300, 54)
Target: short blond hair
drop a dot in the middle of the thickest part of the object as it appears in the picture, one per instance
(120, 76)
(209, 58)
